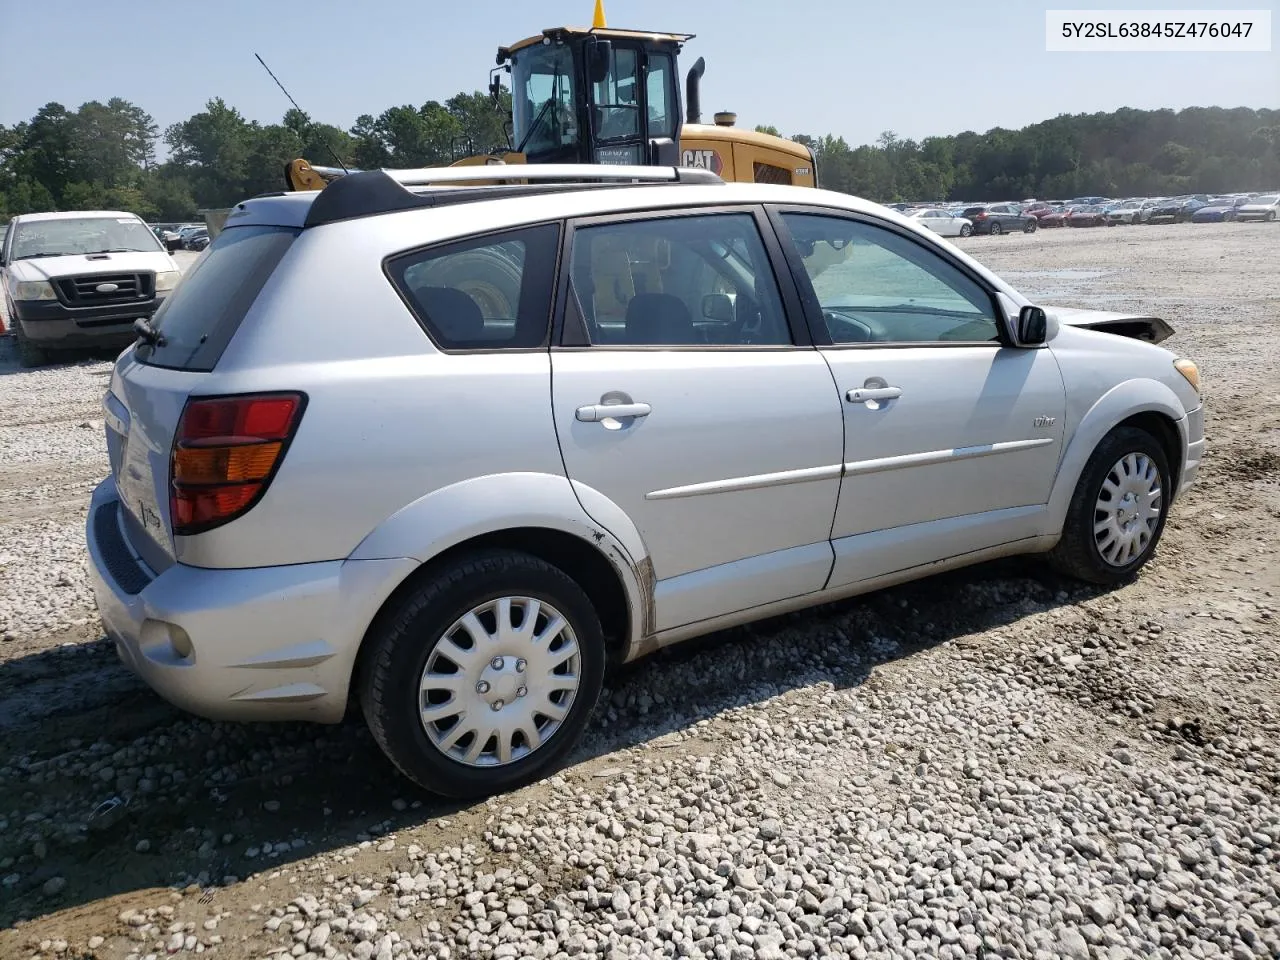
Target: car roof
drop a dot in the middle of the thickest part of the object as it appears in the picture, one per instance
(77, 215)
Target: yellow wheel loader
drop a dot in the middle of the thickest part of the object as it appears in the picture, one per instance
(601, 95)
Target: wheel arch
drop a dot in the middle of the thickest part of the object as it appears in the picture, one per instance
(538, 514)
(1147, 404)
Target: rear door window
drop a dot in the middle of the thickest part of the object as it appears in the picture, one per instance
(200, 317)
(486, 293)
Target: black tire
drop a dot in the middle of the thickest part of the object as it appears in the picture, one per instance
(1031, 225)
(490, 277)
(397, 652)
(1077, 554)
(996, 229)
(1271, 216)
(29, 355)
(965, 230)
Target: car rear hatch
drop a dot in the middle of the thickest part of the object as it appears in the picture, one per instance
(154, 378)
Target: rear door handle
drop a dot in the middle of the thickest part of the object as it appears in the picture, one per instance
(863, 394)
(595, 412)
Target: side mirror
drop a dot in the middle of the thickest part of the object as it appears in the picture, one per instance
(599, 59)
(718, 307)
(1033, 326)
(495, 89)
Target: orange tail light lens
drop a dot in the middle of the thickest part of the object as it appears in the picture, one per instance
(225, 453)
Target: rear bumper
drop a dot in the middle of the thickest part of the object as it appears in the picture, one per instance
(53, 323)
(263, 643)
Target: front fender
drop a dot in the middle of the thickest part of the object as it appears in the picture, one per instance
(1117, 404)
(452, 515)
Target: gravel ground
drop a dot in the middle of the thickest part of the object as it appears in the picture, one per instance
(993, 763)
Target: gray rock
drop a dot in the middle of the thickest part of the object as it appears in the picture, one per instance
(319, 937)
(1101, 910)
(1072, 945)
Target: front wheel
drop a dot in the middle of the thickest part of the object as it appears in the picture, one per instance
(1271, 216)
(1118, 510)
(485, 676)
(1030, 226)
(965, 230)
(996, 229)
(29, 354)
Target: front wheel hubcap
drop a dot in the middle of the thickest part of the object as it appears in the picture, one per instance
(1127, 510)
(500, 681)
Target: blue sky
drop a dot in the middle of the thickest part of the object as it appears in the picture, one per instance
(841, 66)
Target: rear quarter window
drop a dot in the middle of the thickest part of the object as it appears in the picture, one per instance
(200, 317)
(483, 293)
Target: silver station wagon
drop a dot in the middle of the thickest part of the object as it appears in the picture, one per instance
(450, 449)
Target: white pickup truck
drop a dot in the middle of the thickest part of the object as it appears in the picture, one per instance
(80, 279)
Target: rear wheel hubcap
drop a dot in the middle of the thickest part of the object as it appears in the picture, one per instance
(500, 682)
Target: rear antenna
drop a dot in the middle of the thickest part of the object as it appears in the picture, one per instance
(332, 152)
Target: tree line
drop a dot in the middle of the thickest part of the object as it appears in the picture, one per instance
(104, 155)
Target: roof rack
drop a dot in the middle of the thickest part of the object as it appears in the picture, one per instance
(365, 193)
(551, 173)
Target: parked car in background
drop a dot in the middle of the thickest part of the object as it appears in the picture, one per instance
(997, 218)
(198, 241)
(1265, 207)
(172, 237)
(942, 222)
(185, 232)
(1089, 215)
(1047, 210)
(1177, 209)
(561, 511)
(1056, 218)
(80, 279)
(1219, 210)
(1130, 211)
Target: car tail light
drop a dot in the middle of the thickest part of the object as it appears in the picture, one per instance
(225, 453)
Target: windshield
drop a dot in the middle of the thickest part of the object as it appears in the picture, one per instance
(1270, 198)
(82, 235)
(542, 98)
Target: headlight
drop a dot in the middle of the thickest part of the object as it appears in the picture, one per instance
(1190, 371)
(166, 280)
(33, 290)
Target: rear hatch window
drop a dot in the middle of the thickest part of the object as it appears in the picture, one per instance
(200, 317)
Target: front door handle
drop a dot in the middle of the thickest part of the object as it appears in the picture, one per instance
(863, 394)
(595, 412)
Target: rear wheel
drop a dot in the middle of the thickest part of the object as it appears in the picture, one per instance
(1118, 510)
(485, 676)
(996, 229)
(965, 230)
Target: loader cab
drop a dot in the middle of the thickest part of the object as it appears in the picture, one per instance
(596, 96)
